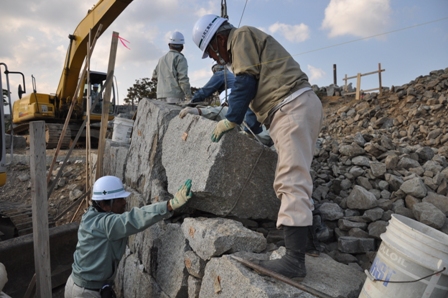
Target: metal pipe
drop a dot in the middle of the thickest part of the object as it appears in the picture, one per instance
(282, 278)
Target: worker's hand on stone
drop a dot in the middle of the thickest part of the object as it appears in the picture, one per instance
(221, 128)
(182, 195)
(188, 110)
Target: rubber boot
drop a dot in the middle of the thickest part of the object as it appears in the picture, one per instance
(292, 264)
(313, 247)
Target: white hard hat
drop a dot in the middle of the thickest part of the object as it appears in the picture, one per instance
(109, 188)
(95, 85)
(222, 96)
(204, 29)
(177, 38)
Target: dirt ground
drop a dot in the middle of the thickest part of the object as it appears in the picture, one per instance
(16, 193)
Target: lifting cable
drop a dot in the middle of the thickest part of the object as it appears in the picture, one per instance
(244, 124)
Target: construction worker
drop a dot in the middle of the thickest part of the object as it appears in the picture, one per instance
(218, 82)
(95, 94)
(218, 113)
(272, 83)
(171, 73)
(103, 232)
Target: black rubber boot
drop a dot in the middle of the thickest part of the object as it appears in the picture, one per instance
(292, 264)
(313, 247)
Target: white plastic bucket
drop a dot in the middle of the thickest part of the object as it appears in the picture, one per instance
(409, 251)
(122, 130)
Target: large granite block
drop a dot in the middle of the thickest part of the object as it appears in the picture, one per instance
(233, 177)
(160, 250)
(133, 282)
(210, 237)
(115, 158)
(144, 171)
(225, 277)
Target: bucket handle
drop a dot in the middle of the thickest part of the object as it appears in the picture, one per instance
(372, 278)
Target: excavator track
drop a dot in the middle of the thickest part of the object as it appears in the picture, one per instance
(17, 222)
(53, 132)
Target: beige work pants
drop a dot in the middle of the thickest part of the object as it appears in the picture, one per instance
(72, 290)
(294, 130)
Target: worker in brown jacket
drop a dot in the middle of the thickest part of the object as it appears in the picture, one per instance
(272, 84)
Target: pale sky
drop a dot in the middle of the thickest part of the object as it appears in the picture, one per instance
(408, 37)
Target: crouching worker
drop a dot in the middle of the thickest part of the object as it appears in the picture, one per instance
(103, 232)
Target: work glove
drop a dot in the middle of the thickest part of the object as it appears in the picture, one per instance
(182, 195)
(221, 128)
(188, 110)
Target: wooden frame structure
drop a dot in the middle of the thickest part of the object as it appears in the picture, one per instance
(358, 82)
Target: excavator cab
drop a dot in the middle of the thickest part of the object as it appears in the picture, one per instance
(97, 85)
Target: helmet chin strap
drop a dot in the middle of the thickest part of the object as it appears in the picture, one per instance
(221, 60)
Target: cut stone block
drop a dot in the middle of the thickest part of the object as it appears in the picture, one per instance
(210, 237)
(115, 159)
(161, 250)
(129, 275)
(232, 177)
(144, 171)
(222, 274)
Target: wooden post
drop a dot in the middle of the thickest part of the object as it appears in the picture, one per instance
(88, 113)
(379, 77)
(345, 86)
(358, 86)
(106, 103)
(67, 119)
(40, 209)
(335, 81)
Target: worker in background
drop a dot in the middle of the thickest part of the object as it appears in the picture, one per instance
(218, 113)
(95, 93)
(272, 83)
(221, 79)
(171, 73)
(103, 232)
(218, 82)
(96, 99)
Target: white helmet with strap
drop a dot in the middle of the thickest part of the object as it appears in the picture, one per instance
(204, 29)
(177, 38)
(109, 188)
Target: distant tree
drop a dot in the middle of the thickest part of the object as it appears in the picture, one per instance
(142, 88)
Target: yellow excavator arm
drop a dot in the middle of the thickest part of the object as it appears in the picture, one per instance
(104, 12)
(52, 108)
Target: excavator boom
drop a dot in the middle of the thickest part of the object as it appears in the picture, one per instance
(104, 12)
(53, 108)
